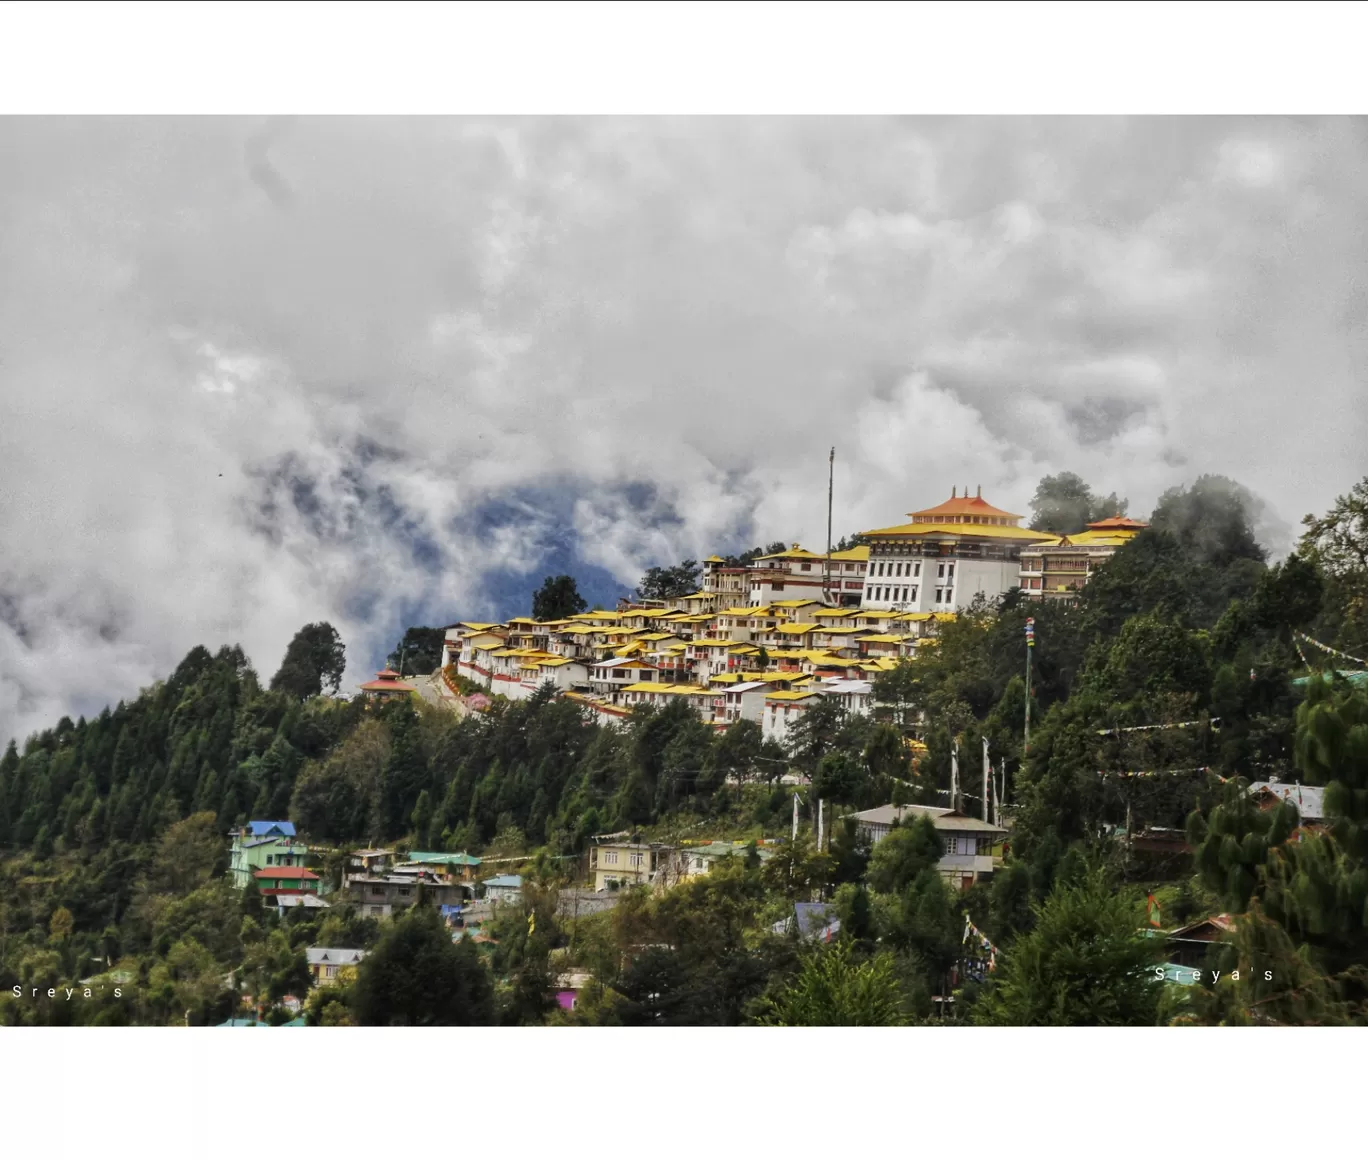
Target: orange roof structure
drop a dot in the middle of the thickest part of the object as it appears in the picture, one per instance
(1117, 523)
(387, 681)
(963, 509)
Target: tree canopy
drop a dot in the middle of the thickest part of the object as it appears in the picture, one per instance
(418, 652)
(668, 583)
(1065, 504)
(417, 977)
(314, 660)
(557, 598)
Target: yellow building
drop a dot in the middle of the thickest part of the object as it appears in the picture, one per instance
(1057, 569)
(616, 864)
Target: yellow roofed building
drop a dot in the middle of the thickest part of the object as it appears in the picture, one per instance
(1057, 569)
(946, 556)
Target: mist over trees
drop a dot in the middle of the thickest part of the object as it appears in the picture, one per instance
(1065, 504)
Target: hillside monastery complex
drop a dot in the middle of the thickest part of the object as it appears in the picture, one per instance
(763, 641)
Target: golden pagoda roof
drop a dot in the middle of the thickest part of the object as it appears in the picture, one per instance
(971, 531)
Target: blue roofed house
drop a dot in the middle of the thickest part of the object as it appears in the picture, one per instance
(279, 829)
(504, 888)
(260, 845)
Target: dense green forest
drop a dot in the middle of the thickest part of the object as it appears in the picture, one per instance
(112, 829)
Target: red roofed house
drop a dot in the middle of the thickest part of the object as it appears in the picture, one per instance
(946, 556)
(386, 685)
(275, 880)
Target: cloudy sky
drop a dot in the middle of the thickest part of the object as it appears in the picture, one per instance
(386, 371)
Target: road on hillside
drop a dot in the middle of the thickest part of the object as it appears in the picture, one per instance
(434, 691)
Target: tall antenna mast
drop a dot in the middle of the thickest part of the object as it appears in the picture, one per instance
(831, 480)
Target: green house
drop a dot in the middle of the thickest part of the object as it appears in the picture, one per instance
(260, 846)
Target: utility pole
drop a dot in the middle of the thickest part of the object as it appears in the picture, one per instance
(954, 774)
(1030, 650)
(831, 480)
(987, 773)
(821, 805)
(795, 817)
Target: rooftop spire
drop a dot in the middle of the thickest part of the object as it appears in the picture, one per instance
(979, 491)
(952, 493)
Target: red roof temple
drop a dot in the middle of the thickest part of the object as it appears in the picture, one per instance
(386, 683)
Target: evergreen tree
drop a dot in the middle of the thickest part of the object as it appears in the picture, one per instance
(1085, 964)
(557, 598)
(417, 977)
(314, 660)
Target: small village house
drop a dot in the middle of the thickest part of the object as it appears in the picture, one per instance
(503, 888)
(277, 880)
(332, 964)
(613, 864)
(262, 844)
(969, 842)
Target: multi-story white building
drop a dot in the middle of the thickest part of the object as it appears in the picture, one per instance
(730, 583)
(783, 710)
(946, 556)
(744, 701)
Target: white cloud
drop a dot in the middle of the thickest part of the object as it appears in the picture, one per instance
(495, 307)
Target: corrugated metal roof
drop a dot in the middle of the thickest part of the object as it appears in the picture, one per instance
(1309, 799)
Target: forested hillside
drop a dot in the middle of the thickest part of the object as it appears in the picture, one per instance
(113, 829)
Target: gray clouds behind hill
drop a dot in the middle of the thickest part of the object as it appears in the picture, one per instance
(262, 372)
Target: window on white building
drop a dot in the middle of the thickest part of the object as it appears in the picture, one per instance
(950, 572)
(939, 593)
(916, 569)
(635, 859)
(940, 571)
(610, 857)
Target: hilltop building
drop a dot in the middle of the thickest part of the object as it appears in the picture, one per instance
(946, 556)
(386, 686)
(1056, 569)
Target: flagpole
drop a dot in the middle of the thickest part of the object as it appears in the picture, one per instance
(987, 767)
(1030, 647)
